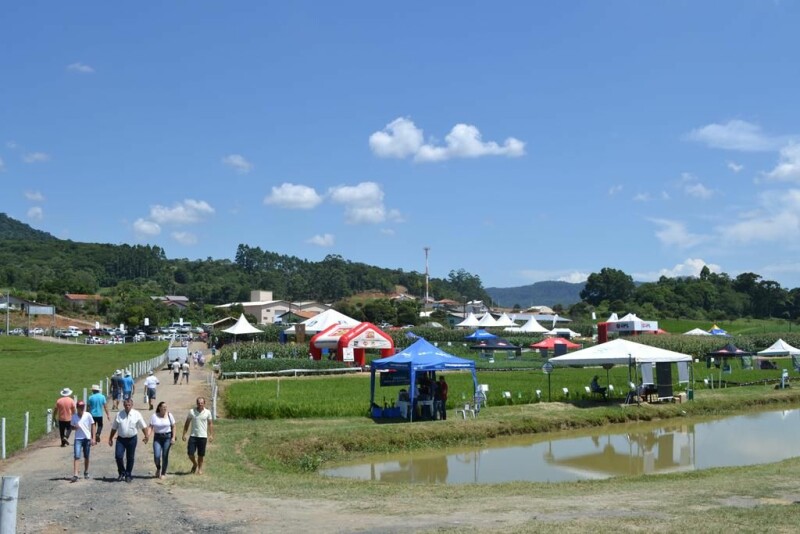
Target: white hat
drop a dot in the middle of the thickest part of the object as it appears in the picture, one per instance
(127, 372)
(117, 372)
(66, 392)
(95, 387)
(150, 373)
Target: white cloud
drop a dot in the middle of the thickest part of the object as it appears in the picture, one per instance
(664, 195)
(184, 238)
(641, 197)
(238, 163)
(674, 233)
(12, 145)
(294, 196)
(35, 213)
(387, 231)
(735, 167)
(698, 190)
(573, 277)
(144, 228)
(537, 275)
(465, 141)
(187, 212)
(778, 220)
(614, 189)
(735, 135)
(34, 196)
(363, 202)
(80, 67)
(401, 138)
(690, 267)
(788, 168)
(324, 240)
(2, 165)
(35, 157)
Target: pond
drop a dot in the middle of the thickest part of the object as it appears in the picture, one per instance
(631, 449)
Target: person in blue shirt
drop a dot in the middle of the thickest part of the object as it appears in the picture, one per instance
(97, 405)
(128, 387)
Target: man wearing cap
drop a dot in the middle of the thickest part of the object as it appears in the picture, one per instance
(65, 408)
(116, 389)
(97, 405)
(150, 384)
(128, 388)
(126, 423)
(83, 424)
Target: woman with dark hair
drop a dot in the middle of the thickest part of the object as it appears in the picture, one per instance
(162, 430)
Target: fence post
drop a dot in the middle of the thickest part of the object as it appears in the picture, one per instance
(3, 439)
(27, 428)
(9, 488)
(49, 423)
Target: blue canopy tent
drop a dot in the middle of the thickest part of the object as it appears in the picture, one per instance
(421, 356)
(480, 334)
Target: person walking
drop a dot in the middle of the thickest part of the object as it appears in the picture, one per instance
(126, 423)
(185, 371)
(62, 413)
(202, 424)
(162, 432)
(150, 384)
(97, 404)
(176, 371)
(84, 426)
(128, 387)
(116, 389)
(440, 398)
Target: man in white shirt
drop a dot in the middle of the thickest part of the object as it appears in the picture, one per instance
(126, 424)
(176, 371)
(83, 425)
(150, 384)
(202, 423)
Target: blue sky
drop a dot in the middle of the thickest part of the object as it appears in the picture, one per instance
(520, 141)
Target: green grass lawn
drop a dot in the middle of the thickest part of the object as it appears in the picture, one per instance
(33, 372)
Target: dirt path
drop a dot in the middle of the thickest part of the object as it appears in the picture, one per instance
(49, 502)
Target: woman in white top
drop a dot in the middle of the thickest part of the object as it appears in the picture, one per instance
(162, 430)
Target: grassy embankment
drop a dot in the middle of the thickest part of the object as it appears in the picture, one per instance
(33, 372)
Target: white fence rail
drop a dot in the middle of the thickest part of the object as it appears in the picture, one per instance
(137, 369)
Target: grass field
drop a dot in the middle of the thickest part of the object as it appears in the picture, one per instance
(33, 372)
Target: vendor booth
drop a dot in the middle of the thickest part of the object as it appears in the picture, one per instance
(402, 369)
(349, 343)
(637, 357)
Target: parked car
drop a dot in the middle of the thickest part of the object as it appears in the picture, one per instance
(38, 331)
(17, 332)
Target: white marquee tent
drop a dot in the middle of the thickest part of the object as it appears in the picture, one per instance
(487, 321)
(242, 327)
(505, 320)
(619, 352)
(697, 332)
(532, 327)
(323, 320)
(780, 348)
(470, 322)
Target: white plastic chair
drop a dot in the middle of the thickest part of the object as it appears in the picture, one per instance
(538, 394)
(465, 410)
(565, 391)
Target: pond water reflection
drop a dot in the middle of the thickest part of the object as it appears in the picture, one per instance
(632, 449)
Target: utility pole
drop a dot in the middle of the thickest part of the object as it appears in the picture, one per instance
(427, 277)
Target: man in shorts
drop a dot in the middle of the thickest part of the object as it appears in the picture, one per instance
(63, 412)
(84, 427)
(150, 384)
(128, 387)
(116, 389)
(97, 405)
(202, 424)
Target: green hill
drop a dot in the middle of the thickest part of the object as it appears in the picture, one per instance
(14, 229)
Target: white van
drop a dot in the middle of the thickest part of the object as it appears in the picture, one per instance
(178, 353)
(73, 331)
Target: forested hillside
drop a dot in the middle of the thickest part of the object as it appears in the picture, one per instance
(546, 293)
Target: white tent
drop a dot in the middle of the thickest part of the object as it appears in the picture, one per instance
(612, 318)
(697, 332)
(505, 320)
(620, 352)
(532, 326)
(323, 320)
(487, 320)
(779, 348)
(562, 332)
(470, 322)
(242, 327)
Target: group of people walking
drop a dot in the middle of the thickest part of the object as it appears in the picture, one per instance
(85, 419)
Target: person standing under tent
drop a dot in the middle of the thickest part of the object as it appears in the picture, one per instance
(441, 398)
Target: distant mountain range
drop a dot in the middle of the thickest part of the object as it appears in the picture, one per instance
(539, 293)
